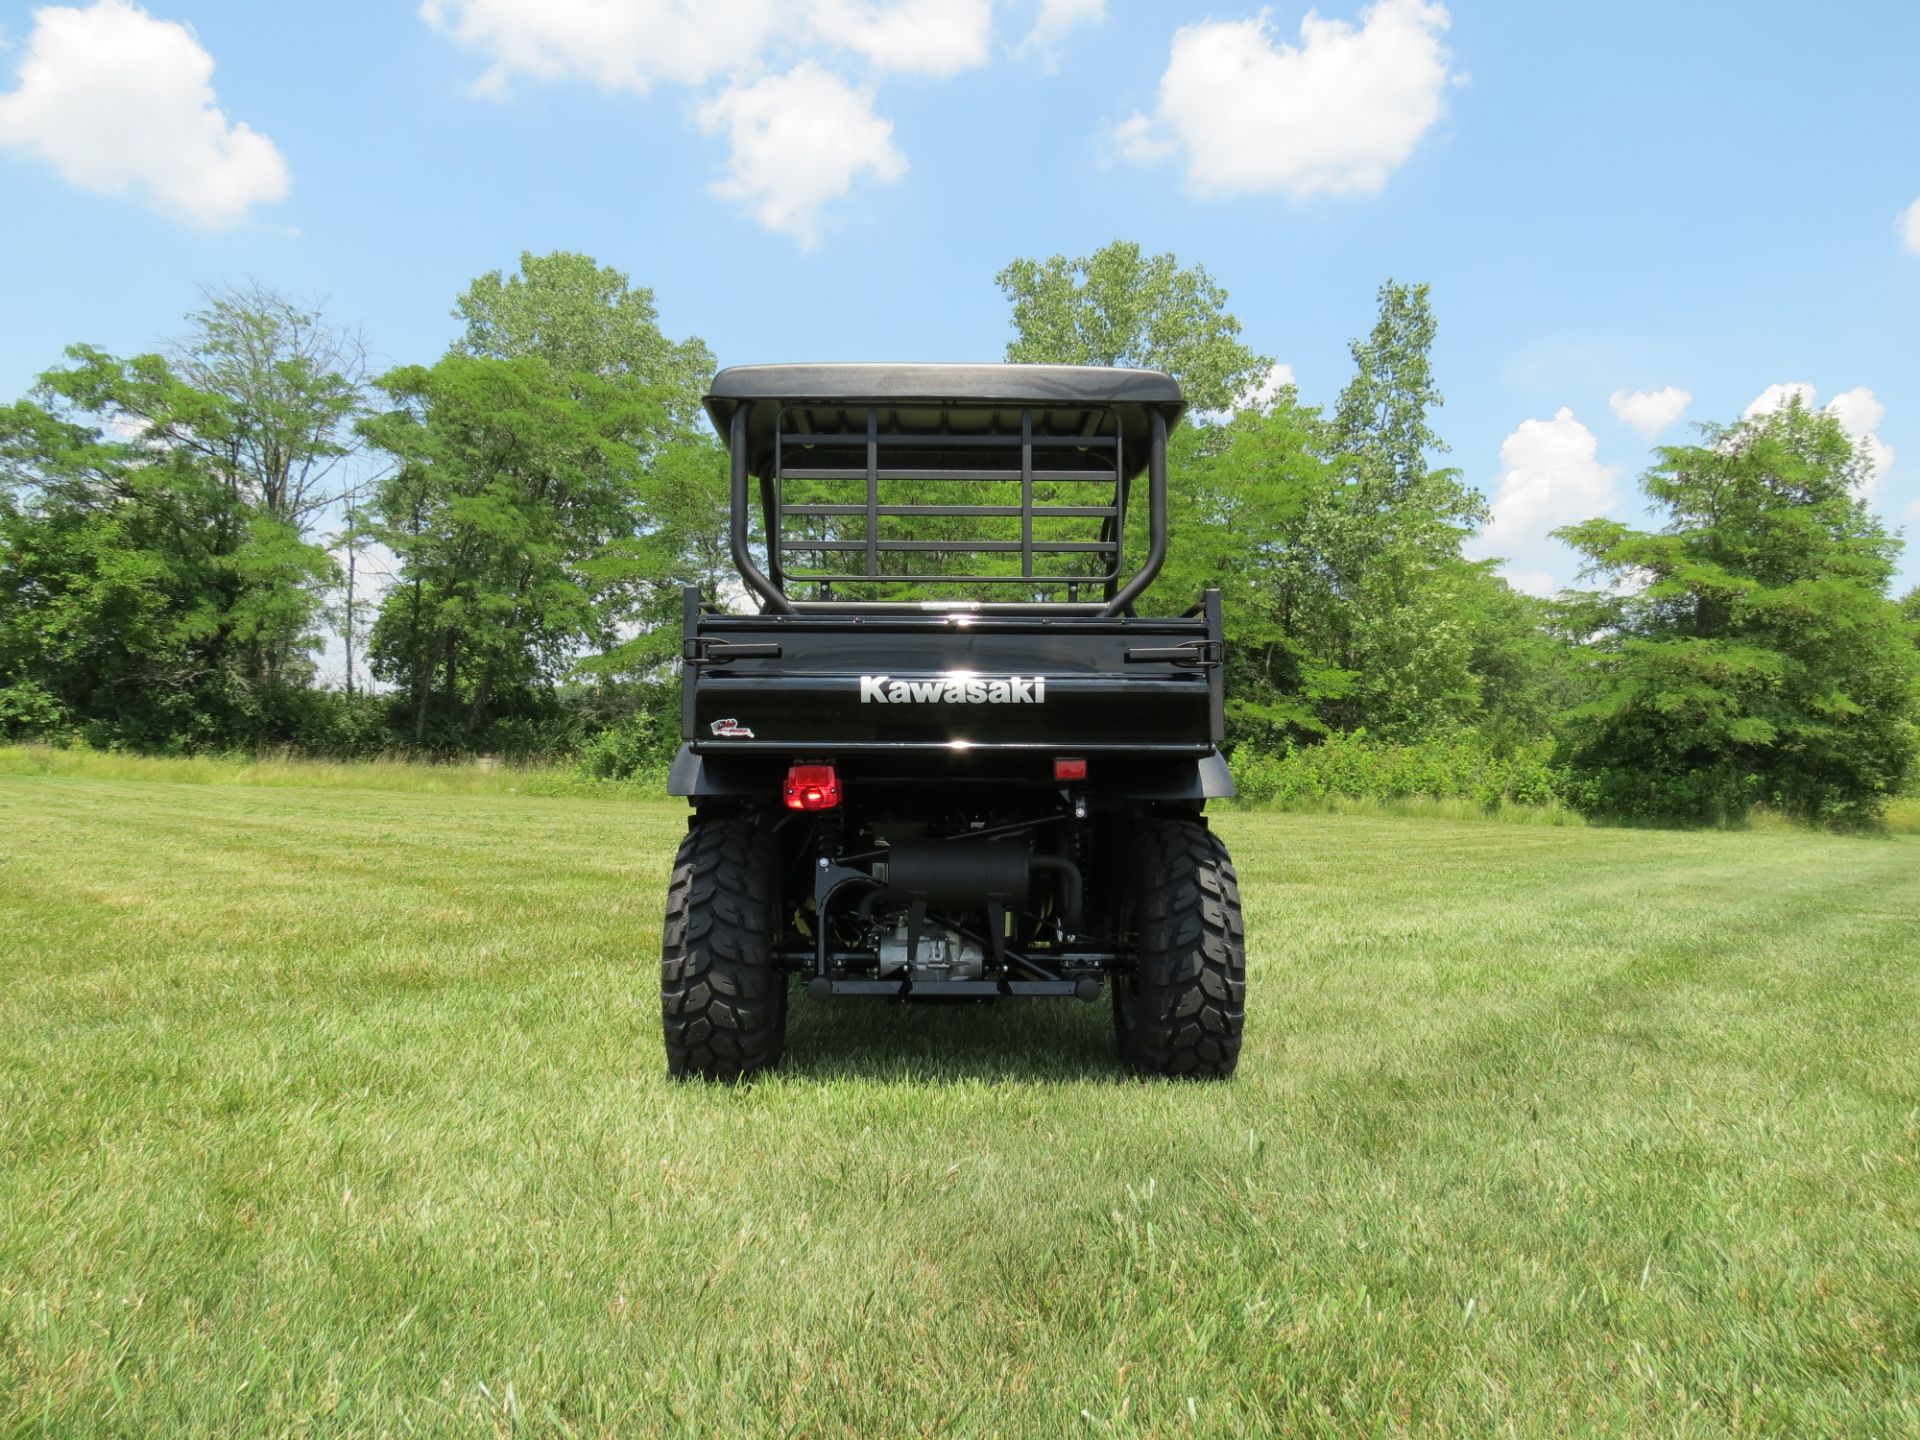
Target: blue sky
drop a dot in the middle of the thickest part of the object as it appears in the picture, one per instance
(1606, 197)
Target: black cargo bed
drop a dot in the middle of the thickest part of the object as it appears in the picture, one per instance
(952, 679)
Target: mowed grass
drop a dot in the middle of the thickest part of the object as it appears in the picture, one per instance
(331, 1112)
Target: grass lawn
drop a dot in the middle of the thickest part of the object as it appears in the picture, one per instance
(336, 1112)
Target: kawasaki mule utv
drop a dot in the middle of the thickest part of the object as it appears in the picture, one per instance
(994, 793)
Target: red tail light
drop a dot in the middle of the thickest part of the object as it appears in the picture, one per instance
(813, 787)
(1069, 769)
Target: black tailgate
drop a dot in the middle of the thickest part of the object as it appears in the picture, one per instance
(952, 680)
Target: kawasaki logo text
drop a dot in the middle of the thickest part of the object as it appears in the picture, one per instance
(953, 690)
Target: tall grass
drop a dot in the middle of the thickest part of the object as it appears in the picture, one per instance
(1903, 816)
(1346, 768)
(295, 772)
(1418, 807)
(1454, 779)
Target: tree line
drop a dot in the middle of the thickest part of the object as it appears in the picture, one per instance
(180, 532)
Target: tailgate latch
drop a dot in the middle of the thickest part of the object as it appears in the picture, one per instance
(705, 650)
(1200, 654)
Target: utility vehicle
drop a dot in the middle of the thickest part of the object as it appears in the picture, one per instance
(995, 791)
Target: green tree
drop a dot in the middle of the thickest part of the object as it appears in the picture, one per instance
(1523, 663)
(147, 596)
(1393, 544)
(584, 318)
(513, 489)
(1384, 416)
(683, 538)
(1747, 652)
(1336, 542)
(290, 386)
(552, 489)
(1250, 508)
(1120, 307)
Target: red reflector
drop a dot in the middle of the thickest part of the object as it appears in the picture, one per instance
(1069, 769)
(813, 787)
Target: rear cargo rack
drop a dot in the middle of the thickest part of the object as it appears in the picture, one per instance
(1043, 500)
(1040, 505)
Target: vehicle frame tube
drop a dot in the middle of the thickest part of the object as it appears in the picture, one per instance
(1156, 522)
(756, 578)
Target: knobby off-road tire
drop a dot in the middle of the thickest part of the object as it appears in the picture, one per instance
(1181, 1012)
(723, 1001)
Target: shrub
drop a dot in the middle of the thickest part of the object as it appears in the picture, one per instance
(642, 744)
(1355, 767)
(337, 726)
(28, 712)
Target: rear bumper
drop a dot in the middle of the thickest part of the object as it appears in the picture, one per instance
(752, 770)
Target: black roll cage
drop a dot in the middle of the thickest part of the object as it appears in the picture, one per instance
(1090, 437)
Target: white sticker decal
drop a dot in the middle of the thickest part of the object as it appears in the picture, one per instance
(953, 690)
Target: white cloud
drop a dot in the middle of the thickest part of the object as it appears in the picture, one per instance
(1550, 475)
(798, 141)
(1335, 114)
(1533, 582)
(630, 44)
(1267, 389)
(1650, 411)
(1135, 140)
(1909, 224)
(118, 101)
(625, 45)
(1057, 18)
(1777, 397)
(799, 135)
(1860, 412)
(922, 37)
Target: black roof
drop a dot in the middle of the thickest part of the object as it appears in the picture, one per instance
(923, 399)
